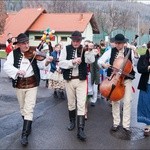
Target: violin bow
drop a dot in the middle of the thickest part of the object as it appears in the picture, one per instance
(31, 61)
(129, 75)
(81, 52)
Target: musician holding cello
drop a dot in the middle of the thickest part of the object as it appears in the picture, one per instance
(73, 61)
(25, 75)
(118, 85)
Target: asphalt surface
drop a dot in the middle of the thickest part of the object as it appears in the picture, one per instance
(49, 130)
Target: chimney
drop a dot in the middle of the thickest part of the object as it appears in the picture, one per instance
(81, 17)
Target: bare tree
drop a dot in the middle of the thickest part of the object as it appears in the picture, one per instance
(109, 20)
(3, 16)
(110, 15)
(126, 20)
(61, 6)
(144, 27)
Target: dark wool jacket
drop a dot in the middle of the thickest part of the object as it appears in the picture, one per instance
(17, 61)
(67, 73)
(94, 69)
(142, 68)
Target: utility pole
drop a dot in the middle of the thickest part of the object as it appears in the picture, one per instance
(138, 27)
(112, 6)
(149, 35)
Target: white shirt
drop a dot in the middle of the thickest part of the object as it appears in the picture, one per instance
(11, 71)
(106, 56)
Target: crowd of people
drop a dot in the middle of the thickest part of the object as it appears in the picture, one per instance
(79, 70)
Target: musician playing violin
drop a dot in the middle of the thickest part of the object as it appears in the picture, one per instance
(73, 61)
(120, 50)
(25, 78)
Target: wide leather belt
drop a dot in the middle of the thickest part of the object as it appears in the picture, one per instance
(74, 77)
(25, 83)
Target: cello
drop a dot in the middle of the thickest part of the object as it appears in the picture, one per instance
(113, 87)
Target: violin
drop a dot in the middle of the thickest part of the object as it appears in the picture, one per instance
(33, 54)
(113, 88)
(38, 55)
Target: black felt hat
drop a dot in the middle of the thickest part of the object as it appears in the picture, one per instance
(21, 38)
(119, 38)
(76, 35)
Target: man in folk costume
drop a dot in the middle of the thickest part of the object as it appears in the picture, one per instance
(112, 55)
(25, 76)
(73, 61)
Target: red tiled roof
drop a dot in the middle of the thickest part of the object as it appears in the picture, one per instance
(33, 19)
(20, 22)
(62, 22)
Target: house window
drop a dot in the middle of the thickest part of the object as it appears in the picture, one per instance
(64, 39)
(37, 38)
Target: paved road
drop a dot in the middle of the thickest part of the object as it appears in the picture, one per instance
(51, 119)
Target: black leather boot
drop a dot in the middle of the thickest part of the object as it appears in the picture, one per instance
(55, 94)
(25, 132)
(46, 84)
(72, 117)
(62, 95)
(81, 123)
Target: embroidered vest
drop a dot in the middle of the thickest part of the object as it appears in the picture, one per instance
(114, 54)
(67, 73)
(18, 57)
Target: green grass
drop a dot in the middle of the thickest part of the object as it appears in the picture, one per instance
(141, 50)
(3, 54)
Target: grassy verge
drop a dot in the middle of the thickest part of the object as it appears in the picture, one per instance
(141, 51)
(3, 54)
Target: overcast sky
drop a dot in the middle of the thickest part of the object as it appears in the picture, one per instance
(146, 2)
